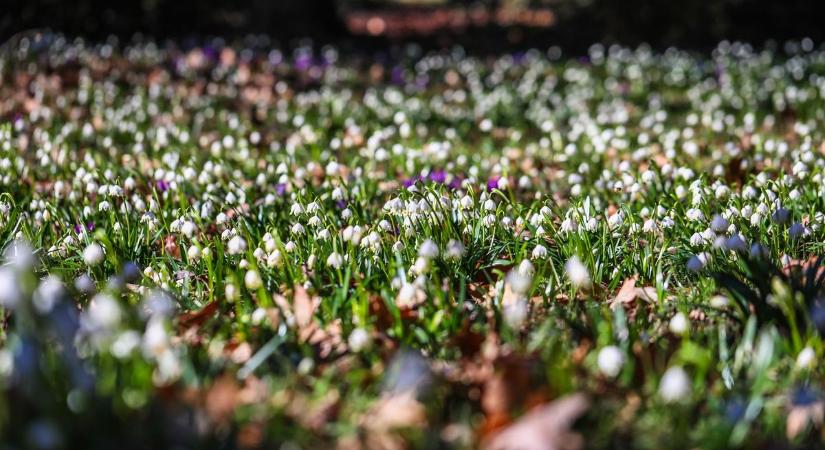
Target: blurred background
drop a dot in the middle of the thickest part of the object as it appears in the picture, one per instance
(480, 25)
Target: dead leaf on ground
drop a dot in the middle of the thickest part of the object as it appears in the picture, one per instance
(303, 307)
(544, 428)
(805, 267)
(197, 318)
(390, 414)
(802, 417)
(221, 399)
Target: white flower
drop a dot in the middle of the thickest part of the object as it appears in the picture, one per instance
(125, 343)
(526, 268)
(236, 245)
(231, 292)
(568, 225)
(273, 259)
(93, 254)
(455, 250)
(674, 385)
(335, 260)
(193, 253)
(10, 293)
(577, 272)
(679, 324)
(47, 294)
(610, 361)
(410, 295)
(797, 230)
(515, 313)
(428, 249)
(252, 280)
(806, 358)
(694, 214)
(519, 282)
(539, 252)
(719, 302)
(466, 202)
(698, 262)
(359, 340)
(297, 229)
(103, 313)
(719, 224)
(188, 228)
(422, 265)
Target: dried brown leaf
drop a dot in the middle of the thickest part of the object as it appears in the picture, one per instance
(545, 428)
(303, 307)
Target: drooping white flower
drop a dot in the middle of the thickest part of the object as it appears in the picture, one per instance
(236, 245)
(93, 254)
(252, 279)
(455, 250)
(806, 358)
(359, 340)
(679, 324)
(10, 292)
(335, 260)
(577, 272)
(610, 361)
(428, 249)
(193, 253)
(674, 385)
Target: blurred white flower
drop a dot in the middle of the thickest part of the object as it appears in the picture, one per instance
(252, 279)
(679, 324)
(610, 361)
(806, 358)
(93, 254)
(10, 291)
(674, 385)
(236, 245)
(577, 272)
(335, 260)
(359, 340)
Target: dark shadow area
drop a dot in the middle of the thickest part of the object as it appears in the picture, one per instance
(697, 24)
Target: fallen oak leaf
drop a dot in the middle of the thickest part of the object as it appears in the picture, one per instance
(393, 412)
(544, 428)
(303, 307)
(197, 318)
(626, 294)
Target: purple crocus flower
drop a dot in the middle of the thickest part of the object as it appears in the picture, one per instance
(438, 176)
(303, 62)
(280, 189)
(411, 181)
(162, 185)
(397, 75)
(492, 183)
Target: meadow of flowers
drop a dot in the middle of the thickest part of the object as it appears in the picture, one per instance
(236, 246)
